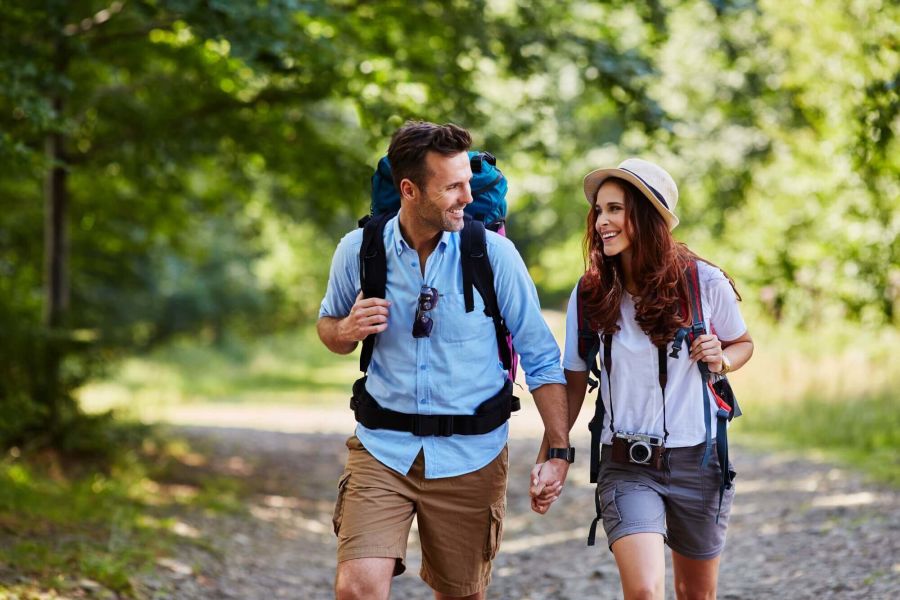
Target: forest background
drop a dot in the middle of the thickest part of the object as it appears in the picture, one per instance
(176, 174)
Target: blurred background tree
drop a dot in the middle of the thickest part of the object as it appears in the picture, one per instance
(185, 167)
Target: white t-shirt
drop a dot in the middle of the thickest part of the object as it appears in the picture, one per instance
(637, 398)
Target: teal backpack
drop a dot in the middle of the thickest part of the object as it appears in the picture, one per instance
(489, 189)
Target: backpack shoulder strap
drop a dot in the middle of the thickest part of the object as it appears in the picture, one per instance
(588, 339)
(725, 408)
(698, 328)
(478, 274)
(372, 272)
(693, 280)
(691, 308)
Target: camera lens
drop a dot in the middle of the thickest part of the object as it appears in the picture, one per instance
(639, 452)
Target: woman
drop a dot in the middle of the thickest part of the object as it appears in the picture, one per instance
(658, 482)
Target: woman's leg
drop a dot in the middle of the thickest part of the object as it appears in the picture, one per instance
(695, 579)
(642, 565)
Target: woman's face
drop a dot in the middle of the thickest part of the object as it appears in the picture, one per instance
(612, 223)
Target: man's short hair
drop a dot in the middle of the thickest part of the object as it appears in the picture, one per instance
(414, 140)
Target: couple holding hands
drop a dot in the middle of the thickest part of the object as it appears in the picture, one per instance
(433, 407)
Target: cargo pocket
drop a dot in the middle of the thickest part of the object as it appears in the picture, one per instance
(339, 504)
(609, 510)
(495, 529)
(732, 474)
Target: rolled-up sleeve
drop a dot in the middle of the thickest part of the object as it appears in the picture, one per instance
(343, 279)
(521, 309)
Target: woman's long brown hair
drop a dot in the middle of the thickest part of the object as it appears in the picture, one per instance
(658, 265)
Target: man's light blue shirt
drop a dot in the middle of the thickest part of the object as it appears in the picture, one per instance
(457, 367)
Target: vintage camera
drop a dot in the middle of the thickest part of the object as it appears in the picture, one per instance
(638, 449)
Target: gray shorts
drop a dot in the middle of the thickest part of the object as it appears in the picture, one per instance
(680, 502)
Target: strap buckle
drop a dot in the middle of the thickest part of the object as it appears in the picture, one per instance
(698, 329)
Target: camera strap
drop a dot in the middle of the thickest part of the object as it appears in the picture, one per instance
(597, 422)
(663, 379)
(607, 365)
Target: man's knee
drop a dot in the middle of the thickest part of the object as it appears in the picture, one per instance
(356, 581)
(357, 588)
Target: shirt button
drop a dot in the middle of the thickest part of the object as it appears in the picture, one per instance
(414, 264)
(423, 368)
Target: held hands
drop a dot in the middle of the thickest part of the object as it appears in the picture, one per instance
(547, 479)
(708, 348)
(368, 315)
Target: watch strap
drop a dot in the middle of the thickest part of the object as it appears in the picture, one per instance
(567, 454)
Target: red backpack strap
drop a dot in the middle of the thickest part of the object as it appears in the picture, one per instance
(696, 304)
(691, 310)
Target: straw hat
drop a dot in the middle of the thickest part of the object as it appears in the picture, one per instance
(653, 181)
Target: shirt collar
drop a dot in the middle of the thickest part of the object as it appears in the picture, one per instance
(400, 244)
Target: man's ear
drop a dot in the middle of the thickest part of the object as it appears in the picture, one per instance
(408, 190)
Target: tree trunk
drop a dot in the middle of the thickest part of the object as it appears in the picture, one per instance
(56, 280)
(56, 241)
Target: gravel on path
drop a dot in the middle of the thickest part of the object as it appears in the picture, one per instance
(800, 528)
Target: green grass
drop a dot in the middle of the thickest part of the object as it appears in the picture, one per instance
(862, 433)
(833, 391)
(292, 368)
(62, 521)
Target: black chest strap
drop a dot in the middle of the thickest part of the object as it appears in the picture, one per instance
(490, 414)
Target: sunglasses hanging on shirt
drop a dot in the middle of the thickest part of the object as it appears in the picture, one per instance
(423, 324)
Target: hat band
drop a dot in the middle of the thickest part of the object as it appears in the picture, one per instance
(651, 188)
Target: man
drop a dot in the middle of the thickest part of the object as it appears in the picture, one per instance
(433, 358)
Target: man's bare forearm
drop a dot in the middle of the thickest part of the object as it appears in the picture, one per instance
(331, 333)
(550, 399)
(576, 384)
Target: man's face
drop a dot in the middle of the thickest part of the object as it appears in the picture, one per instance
(445, 193)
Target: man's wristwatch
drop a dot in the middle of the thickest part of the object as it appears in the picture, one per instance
(567, 454)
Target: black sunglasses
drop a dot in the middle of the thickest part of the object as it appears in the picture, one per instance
(428, 299)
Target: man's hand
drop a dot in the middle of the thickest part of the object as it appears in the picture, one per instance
(547, 481)
(368, 315)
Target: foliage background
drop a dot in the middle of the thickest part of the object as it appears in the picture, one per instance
(214, 152)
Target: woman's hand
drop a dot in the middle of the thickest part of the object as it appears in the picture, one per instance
(709, 349)
(543, 494)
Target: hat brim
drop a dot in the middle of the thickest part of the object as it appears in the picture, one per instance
(594, 179)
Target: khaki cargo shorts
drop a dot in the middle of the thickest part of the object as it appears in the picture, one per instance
(460, 519)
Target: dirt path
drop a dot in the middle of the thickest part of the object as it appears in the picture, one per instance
(800, 529)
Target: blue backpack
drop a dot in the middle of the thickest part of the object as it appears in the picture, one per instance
(486, 211)
(488, 191)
